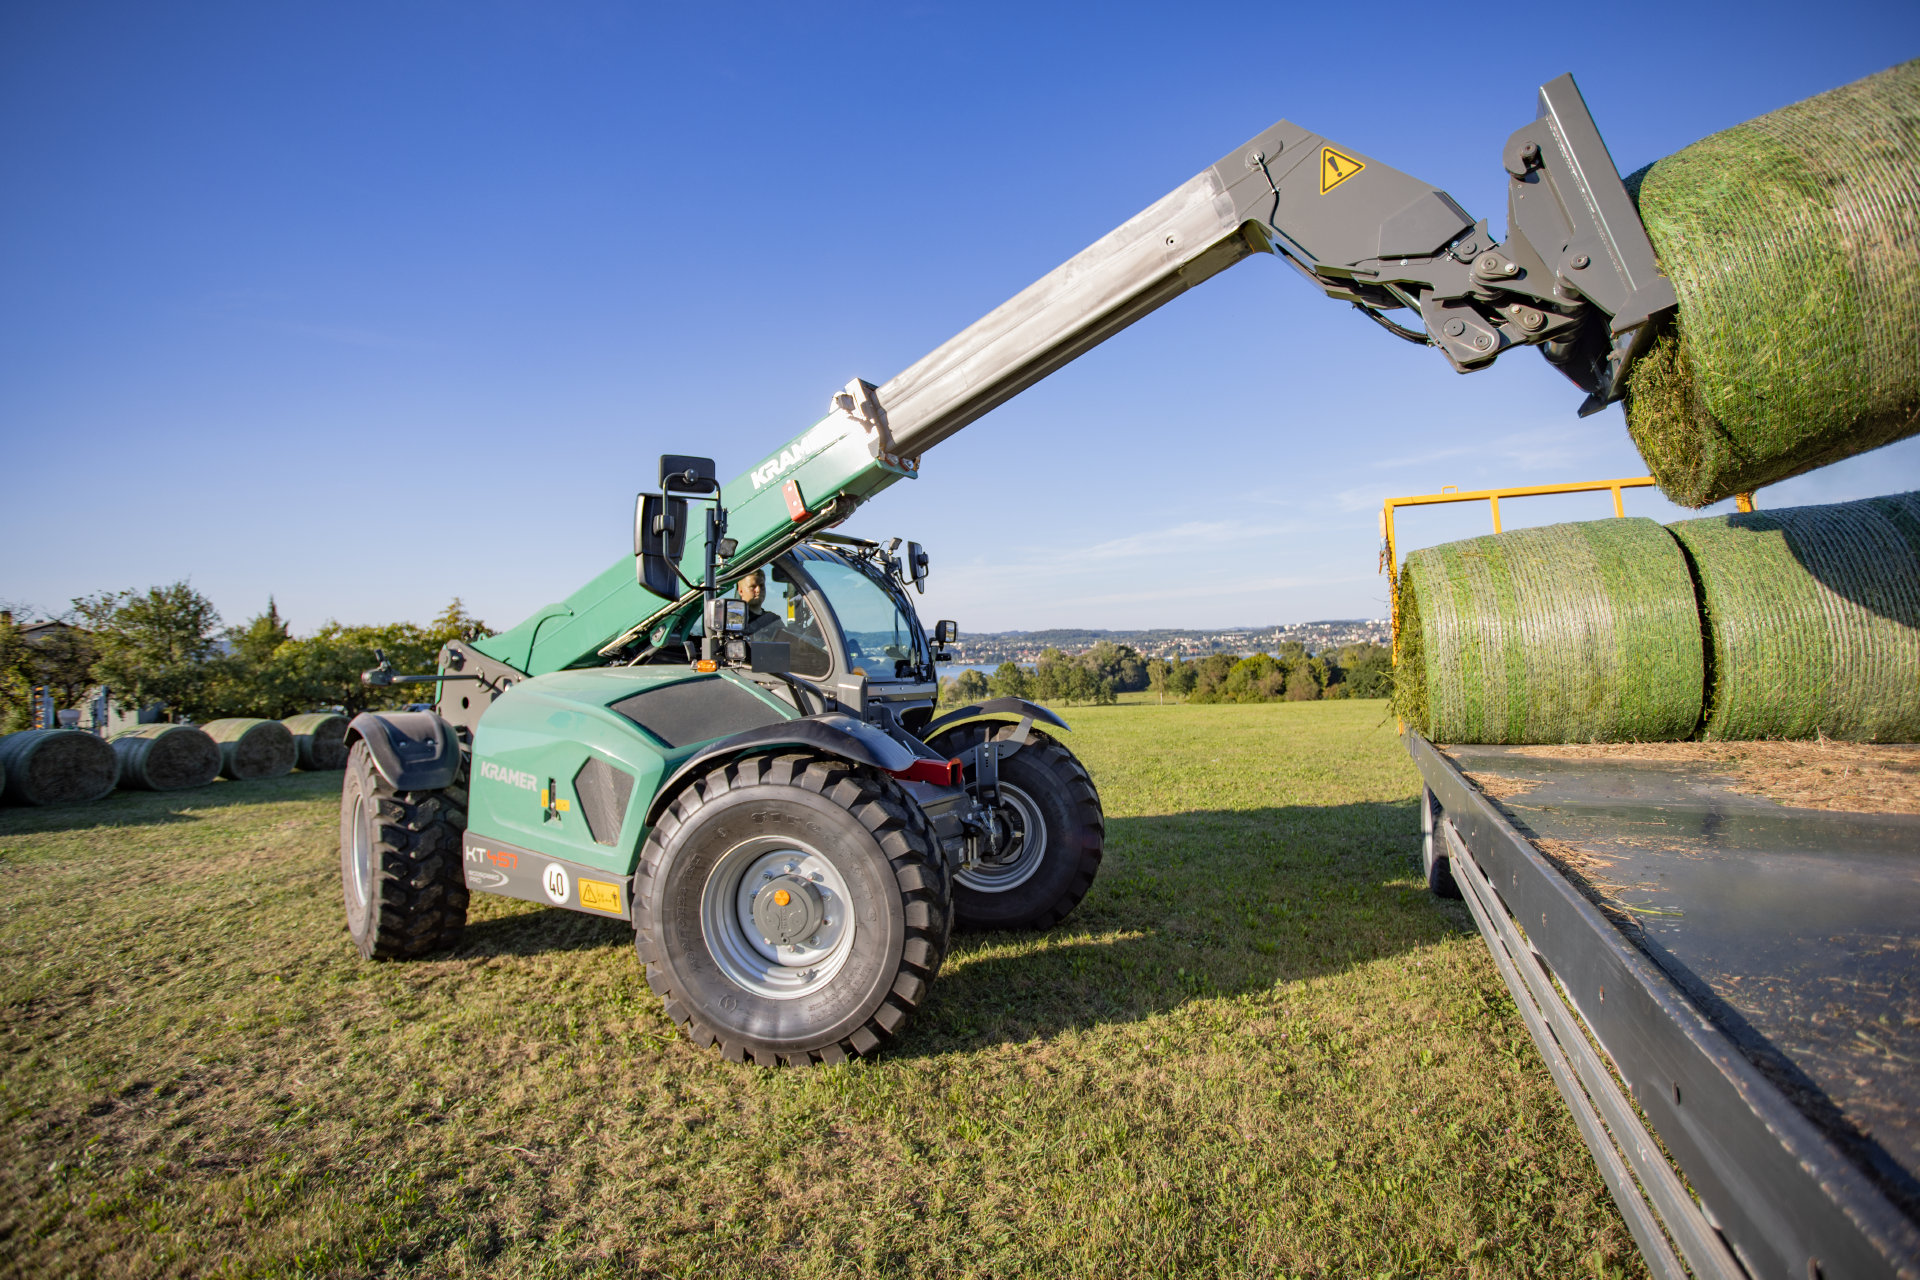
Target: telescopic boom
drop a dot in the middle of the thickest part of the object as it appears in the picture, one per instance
(1576, 278)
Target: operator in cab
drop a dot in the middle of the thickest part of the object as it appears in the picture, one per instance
(761, 621)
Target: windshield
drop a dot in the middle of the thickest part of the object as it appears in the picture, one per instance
(878, 633)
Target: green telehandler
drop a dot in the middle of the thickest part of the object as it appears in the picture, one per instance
(729, 738)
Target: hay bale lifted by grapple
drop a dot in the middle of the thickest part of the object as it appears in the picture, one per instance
(1793, 245)
(166, 757)
(319, 740)
(57, 766)
(253, 749)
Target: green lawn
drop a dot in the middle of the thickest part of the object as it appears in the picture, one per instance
(1259, 1048)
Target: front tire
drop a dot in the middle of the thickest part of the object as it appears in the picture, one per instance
(792, 909)
(1057, 834)
(400, 869)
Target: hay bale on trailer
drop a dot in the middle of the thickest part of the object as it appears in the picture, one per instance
(1793, 244)
(253, 749)
(166, 757)
(319, 739)
(1582, 632)
(57, 766)
(1813, 620)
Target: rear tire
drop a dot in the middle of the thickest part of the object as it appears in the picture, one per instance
(400, 863)
(1047, 796)
(1434, 859)
(859, 922)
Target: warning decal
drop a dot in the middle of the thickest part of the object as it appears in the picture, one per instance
(1336, 167)
(600, 895)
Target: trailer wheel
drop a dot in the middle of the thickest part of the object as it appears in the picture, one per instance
(400, 866)
(1433, 855)
(792, 909)
(1055, 833)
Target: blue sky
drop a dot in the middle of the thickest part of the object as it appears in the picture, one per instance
(365, 306)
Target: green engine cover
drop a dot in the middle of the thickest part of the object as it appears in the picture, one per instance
(566, 764)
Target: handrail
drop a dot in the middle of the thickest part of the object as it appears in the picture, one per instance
(1389, 547)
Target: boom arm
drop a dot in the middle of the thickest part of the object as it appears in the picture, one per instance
(1577, 278)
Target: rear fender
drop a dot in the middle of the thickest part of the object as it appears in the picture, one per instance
(995, 709)
(412, 750)
(833, 734)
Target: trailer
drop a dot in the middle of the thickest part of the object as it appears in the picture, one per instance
(1728, 999)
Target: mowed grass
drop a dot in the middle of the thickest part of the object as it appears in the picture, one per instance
(1259, 1048)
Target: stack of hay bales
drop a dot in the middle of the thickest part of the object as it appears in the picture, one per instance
(1793, 244)
(253, 749)
(319, 739)
(1777, 624)
(166, 757)
(57, 766)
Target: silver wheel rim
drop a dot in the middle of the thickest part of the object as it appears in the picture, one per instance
(747, 955)
(362, 854)
(1018, 807)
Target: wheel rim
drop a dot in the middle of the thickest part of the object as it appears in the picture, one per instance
(362, 854)
(1027, 846)
(779, 969)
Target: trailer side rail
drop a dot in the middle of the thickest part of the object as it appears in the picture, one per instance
(1774, 1196)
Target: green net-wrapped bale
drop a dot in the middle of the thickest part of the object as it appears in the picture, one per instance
(165, 757)
(319, 740)
(253, 749)
(1584, 632)
(1813, 617)
(1793, 244)
(57, 766)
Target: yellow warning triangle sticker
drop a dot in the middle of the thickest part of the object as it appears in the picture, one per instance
(1336, 167)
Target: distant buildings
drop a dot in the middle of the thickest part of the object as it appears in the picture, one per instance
(1025, 647)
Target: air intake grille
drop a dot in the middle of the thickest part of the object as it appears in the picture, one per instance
(604, 792)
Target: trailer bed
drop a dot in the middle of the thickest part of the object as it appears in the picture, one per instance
(1750, 973)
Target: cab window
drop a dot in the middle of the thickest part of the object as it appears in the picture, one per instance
(877, 633)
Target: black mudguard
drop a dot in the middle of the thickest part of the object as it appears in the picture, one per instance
(994, 709)
(413, 750)
(835, 734)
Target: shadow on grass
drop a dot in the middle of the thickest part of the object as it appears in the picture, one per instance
(1187, 907)
(154, 808)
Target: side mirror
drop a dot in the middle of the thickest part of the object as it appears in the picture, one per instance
(726, 619)
(946, 632)
(659, 540)
(917, 566)
(687, 474)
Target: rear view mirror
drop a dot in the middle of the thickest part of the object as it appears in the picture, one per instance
(659, 540)
(917, 566)
(946, 632)
(687, 474)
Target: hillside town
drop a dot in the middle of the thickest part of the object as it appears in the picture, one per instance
(994, 647)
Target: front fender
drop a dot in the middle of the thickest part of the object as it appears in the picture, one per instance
(835, 734)
(995, 708)
(412, 750)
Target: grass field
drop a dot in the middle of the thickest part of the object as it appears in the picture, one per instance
(1259, 1048)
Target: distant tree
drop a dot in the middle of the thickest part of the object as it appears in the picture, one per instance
(1051, 675)
(249, 680)
(1119, 663)
(970, 686)
(455, 623)
(1209, 675)
(58, 658)
(1159, 670)
(1184, 678)
(1009, 681)
(153, 646)
(1303, 682)
(1368, 670)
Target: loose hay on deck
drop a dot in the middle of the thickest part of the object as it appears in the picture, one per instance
(1793, 243)
(1813, 618)
(253, 749)
(166, 757)
(319, 740)
(1584, 632)
(57, 766)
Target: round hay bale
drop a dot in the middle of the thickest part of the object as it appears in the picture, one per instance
(1813, 620)
(253, 749)
(1584, 632)
(166, 757)
(1793, 243)
(319, 739)
(57, 766)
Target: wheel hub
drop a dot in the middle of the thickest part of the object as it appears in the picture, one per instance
(788, 910)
